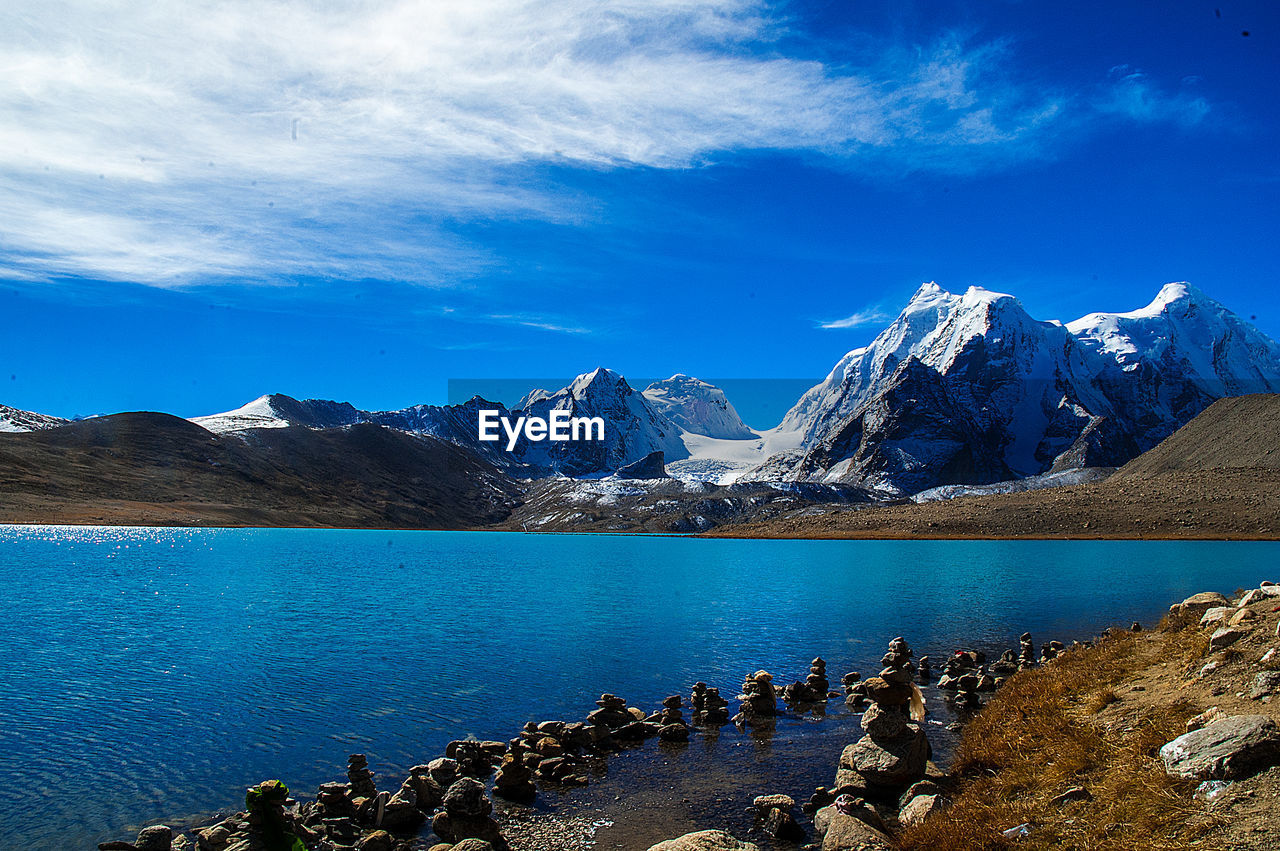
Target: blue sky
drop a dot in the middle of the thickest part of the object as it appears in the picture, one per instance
(201, 203)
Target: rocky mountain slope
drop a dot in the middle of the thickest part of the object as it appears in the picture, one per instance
(155, 469)
(697, 407)
(1242, 432)
(15, 420)
(1022, 397)
(1186, 487)
(634, 428)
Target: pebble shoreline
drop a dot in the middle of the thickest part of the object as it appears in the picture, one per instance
(452, 793)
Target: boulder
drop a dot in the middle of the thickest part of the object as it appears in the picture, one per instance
(892, 762)
(918, 809)
(1249, 597)
(1266, 683)
(846, 833)
(1195, 606)
(466, 798)
(1240, 616)
(883, 724)
(472, 845)
(705, 840)
(1229, 749)
(1225, 637)
(651, 466)
(1215, 615)
(781, 824)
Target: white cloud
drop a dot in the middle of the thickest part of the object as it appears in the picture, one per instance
(1132, 94)
(171, 143)
(867, 316)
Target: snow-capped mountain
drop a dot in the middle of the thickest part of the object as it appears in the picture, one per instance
(911, 435)
(16, 420)
(1033, 396)
(697, 407)
(1168, 361)
(633, 427)
(279, 411)
(1027, 386)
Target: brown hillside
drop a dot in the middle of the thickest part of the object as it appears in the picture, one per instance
(156, 469)
(1239, 432)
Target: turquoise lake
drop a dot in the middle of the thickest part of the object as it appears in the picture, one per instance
(155, 673)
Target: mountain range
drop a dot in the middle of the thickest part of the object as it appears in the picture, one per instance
(960, 389)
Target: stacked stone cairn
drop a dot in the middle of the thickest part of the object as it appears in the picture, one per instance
(709, 708)
(759, 700)
(466, 815)
(670, 720)
(269, 819)
(855, 691)
(892, 757)
(624, 723)
(966, 696)
(1026, 652)
(924, 668)
(814, 688)
(1050, 651)
(360, 778)
(514, 780)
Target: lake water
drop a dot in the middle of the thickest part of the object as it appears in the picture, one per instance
(155, 673)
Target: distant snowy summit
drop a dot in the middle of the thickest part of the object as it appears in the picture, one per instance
(697, 407)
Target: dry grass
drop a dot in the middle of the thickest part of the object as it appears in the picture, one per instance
(1042, 734)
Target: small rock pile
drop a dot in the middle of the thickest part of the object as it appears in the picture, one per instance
(814, 688)
(466, 815)
(759, 700)
(855, 691)
(514, 780)
(773, 816)
(670, 721)
(1026, 651)
(709, 708)
(475, 759)
(555, 750)
(874, 771)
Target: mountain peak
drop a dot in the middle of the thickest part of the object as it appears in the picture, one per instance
(599, 378)
(928, 293)
(1176, 292)
(697, 407)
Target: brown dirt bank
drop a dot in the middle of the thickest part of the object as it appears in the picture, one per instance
(1241, 504)
(1094, 720)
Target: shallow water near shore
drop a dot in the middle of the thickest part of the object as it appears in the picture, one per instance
(150, 674)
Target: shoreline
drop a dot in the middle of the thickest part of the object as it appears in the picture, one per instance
(628, 800)
(1119, 700)
(1240, 504)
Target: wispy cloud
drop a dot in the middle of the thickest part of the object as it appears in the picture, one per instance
(1133, 94)
(867, 316)
(538, 322)
(180, 143)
